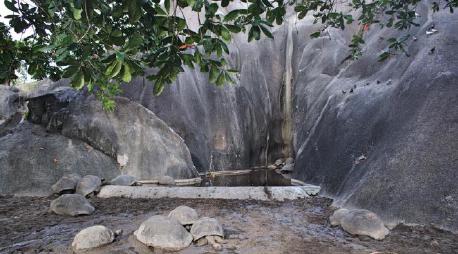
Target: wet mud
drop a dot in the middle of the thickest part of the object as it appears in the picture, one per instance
(300, 226)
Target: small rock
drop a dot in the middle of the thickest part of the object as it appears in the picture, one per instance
(435, 243)
(289, 161)
(93, 237)
(122, 159)
(360, 222)
(166, 180)
(272, 167)
(278, 162)
(287, 169)
(71, 204)
(431, 31)
(118, 232)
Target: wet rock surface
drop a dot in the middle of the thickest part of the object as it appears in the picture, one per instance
(299, 226)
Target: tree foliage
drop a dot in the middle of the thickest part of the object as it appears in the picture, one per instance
(100, 44)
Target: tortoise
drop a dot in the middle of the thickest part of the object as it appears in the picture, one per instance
(164, 233)
(208, 230)
(66, 184)
(184, 214)
(71, 204)
(124, 180)
(93, 237)
(89, 184)
(359, 222)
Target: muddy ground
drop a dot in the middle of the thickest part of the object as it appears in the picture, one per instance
(299, 226)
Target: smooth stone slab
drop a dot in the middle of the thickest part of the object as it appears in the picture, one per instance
(278, 193)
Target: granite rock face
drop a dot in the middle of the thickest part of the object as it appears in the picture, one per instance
(375, 135)
(382, 136)
(32, 160)
(9, 102)
(141, 143)
(10, 109)
(68, 132)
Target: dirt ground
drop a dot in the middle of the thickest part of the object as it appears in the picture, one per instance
(299, 226)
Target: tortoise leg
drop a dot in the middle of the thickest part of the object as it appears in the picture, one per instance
(215, 245)
(202, 241)
(219, 239)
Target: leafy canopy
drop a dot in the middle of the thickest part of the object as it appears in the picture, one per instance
(100, 44)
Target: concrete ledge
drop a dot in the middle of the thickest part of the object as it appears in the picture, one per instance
(279, 193)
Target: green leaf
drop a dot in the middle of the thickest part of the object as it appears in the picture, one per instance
(234, 28)
(134, 42)
(135, 11)
(254, 33)
(78, 80)
(167, 5)
(127, 75)
(158, 88)
(232, 15)
(76, 11)
(110, 68)
(10, 5)
(211, 9)
(116, 69)
(266, 31)
(120, 56)
(70, 71)
(226, 34)
(213, 74)
(198, 5)
(315, 34)
(383, 56)
(220, 80)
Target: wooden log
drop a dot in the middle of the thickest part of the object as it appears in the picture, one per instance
(179, 182)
